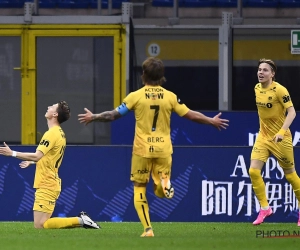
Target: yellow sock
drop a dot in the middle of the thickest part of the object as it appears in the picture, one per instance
(294, 180)
(259, 187)
(141, 206)
(56, 222)
(158, 191)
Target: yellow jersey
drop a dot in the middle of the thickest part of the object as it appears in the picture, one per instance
(52, 145)
(272, 103)
(152, 106)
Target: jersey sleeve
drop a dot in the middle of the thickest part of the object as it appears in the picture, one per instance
(284, 97)
(130, 101)
(47, 142)
(180, 108)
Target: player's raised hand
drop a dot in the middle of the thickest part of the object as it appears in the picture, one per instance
(5, 150)
(86, 118)
(220, 123)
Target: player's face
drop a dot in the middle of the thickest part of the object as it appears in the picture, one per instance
(265, 73)
(51, 111)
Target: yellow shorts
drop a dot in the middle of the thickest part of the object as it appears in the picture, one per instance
(283, 151)
(45, 200)
(141, 168)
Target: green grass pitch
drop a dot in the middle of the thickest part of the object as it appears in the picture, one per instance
(169, 236)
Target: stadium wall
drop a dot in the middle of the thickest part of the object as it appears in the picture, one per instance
(211, 184)
(242, 130)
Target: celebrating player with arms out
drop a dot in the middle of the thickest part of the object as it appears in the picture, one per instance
(48, 158)
(276, 114)
(152, 147)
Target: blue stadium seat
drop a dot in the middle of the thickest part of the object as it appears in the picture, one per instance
(166, 3)
(226, 3)
(4, 4)
(72, 3)
(289, 3)
(47, 3)
(94, 4)
(12, 3)
(262, 3)
(199, 3)
(65, 3)
(116, 4)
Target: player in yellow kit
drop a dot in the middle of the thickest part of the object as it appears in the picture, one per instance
(152, 147)
(48, 158)
(276, 113)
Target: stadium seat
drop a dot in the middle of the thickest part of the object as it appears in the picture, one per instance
(226, 3)
(116, 4)
(166, 3)
(47, 3)
(65, 3)
(12, 3)
(4, 4)
(94, 4)
(262, 3)
(289, 3)
(199, 3)
(72, 3)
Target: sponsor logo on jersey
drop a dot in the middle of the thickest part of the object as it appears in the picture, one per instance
(261, 104)
(167, 173)
(154, 96)
(256, 150)
(154, 90)
(143, 171)
(45, 143)
(286, 98)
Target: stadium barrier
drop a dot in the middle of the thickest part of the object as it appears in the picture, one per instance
(211, 185)
(242, 130)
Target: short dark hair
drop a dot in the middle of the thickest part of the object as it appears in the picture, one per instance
(153, 71)
(271, 63)
(63, 111)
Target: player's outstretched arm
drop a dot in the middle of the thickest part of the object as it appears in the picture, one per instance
(215, 121)
(6, 151)
(106, 116)
(20, 155)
